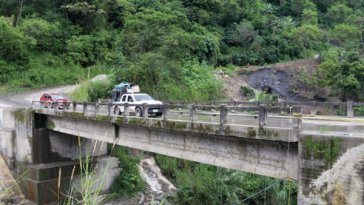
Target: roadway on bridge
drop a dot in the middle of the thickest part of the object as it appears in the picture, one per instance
(314, 125)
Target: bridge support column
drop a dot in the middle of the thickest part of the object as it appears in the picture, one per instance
(350, 109)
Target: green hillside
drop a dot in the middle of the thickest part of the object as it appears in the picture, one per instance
(170, 47)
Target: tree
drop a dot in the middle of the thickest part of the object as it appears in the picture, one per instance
(309, 17)
(339, 13)
(344, 33)
(299, 5)
(343, 77)
(246, 36)
(40, 30)
(305, 36)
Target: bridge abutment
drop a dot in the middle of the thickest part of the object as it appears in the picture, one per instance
(37, 153)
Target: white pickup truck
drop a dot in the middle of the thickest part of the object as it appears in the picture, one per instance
(138, 98)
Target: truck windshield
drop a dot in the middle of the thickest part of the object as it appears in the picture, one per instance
(142, 97)
(57, 97)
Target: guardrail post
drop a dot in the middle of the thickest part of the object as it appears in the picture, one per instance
(297, 120)
(283, 105)
(64, 107)
(126, 111)
(74, 105)
(195, 103)
(256, 103)
(96, 109)
(179, 103)
(84, 108)
(350, 109)
(262, 116)
(223, 115)
(192, 112)
(165, 115)
(234, 104)
(41, 105)
(313, 108)
(145, 110)
(213, 103)
(108, 110)
(49, 107)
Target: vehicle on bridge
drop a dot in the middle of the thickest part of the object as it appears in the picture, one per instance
(138, 98)
(54, 98)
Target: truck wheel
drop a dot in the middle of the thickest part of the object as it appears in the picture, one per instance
(138, 112)
(117, 111)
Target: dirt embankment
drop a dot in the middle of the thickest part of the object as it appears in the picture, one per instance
(292, 81)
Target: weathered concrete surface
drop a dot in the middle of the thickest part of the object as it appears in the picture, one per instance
(331, 170)
(246, 131)
(271, 158)
(41, 184)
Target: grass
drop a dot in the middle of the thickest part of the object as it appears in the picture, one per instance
(91, 91)
(88, 189)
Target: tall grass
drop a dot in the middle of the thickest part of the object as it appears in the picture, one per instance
(91, 91)
(87, 187)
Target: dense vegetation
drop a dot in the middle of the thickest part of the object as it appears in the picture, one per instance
(168, 47)
(206, 184)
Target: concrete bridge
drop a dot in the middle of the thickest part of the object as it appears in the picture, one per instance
(328, 168)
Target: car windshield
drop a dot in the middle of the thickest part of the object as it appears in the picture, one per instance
(57, 97)
(142, 97)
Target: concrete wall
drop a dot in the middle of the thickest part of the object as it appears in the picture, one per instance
(270, 158)
(331, 170)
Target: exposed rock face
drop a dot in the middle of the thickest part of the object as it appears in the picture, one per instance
(280, 82)
(270, 81)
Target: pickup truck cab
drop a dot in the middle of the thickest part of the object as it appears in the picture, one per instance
(138, 98)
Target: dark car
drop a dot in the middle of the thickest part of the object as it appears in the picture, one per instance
(54, 98)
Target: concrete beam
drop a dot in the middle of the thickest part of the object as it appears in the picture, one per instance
(270, 158)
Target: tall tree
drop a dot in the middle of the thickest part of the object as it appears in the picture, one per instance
(344, 33)
(246, 36)
(309, 17)
(305, 35)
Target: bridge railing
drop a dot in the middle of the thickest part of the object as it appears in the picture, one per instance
(310, 107)
(262, 110)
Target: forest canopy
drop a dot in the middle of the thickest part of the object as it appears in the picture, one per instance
(168, 47)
